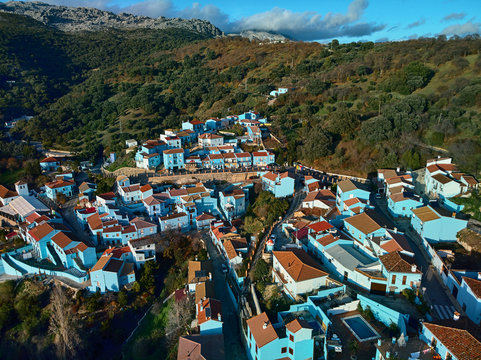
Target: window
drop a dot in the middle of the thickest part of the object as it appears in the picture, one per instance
(283, 350)
(291, 351)
(393, 281)
(256, 348)
(404, 279)
(291, 337)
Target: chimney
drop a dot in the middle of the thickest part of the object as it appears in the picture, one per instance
(379, 341)
(266, 324)
(456, 316)
(219, 317)
(454, 214)
(395, 230)
(210, 276)
(393, 339)
(413, 268)
(398, 170)
(479, 275)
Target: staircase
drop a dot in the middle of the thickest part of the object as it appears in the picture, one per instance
(53, 253)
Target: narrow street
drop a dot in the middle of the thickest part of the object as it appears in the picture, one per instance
(232, 343)
(436, 292)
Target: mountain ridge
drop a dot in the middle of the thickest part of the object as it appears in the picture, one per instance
(77, 19)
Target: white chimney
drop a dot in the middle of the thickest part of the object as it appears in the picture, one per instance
(413, 268)
(219, 317)
(479, 275)
(395, 230)
(398, 170)
(456, 316)
(266, 324)
(379, 342)
(210, 276)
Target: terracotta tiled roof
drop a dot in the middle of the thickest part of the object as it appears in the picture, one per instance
(262, 329)
(149, 201)
(117, 252)
(270, 176)
(201, 347)
(215, 312)
(243, 155)
(326, 240)
(61, 239)
(79, 247)
(101, 263)
(296, 325)
(260, 153)
(31, 218)
(363, 222)
(346, 185)
(49, 159)
(173, 216)
(425, 214)
(174, 151)
(314, 186)
(471, 180)
(210, 136)
(6, 193)
(145, 188)
(197, 268)
(320, 226)
(299, 265)
(474, 285)
(94, 221)
(441, 178)
(205, 216)
(398, 263)
(460, 343)
(59, 184)
(352, 201)
(141, 224)
(203, 290)
(112, 229)
(40, 231)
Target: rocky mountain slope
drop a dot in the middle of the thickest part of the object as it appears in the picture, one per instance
(73, 19)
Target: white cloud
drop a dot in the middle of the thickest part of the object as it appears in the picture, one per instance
(462, 29)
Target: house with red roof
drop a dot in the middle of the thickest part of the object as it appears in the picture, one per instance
(292, 338)
(49, 164)
(297, 272)
(451, 341)
(209, 139)
(209, 316)
(66, 187)
(263, 158)
(7, 195)
(280, 184)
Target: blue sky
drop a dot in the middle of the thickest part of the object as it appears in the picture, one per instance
(321, 20)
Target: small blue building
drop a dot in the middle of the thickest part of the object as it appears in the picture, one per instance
(233, 203)
(174, 159)
(49, 164)
(280, 184)
(111, 274)
(263, 158)
(348, 189)
(65, 187)
(402, 204)
(437, 224)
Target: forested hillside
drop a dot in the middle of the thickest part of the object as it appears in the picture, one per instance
(354, 107)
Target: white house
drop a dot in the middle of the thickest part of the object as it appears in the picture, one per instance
(297, 272)
(208, 140)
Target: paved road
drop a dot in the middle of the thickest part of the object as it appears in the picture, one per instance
(436, 292)
(233, 346)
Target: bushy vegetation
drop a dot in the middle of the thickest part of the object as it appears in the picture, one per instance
(264, 212)
(347, 104)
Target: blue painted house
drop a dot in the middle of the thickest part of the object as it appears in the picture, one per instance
(233, 203)
(469, 297)
(401, 204)
(49, 164)
(450, 342)
(263, 158)
(244, 159)
(209, 316)
(293, 340)
(348, 189)
(195, 125)
(280, 184)
(149, 154)
(364, 226)
(174, 159)
(111, 274)
(437, 224)
(65, 187)
(401, 272)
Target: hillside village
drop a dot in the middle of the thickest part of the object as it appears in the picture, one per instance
(355, 268)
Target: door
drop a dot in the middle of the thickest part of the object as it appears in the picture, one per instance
(377, 288)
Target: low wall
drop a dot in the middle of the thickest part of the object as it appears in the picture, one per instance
(385, 314)
(35, 270)
(226, 176)
(343, 308)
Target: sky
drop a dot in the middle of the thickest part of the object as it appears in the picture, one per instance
(315, 20)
